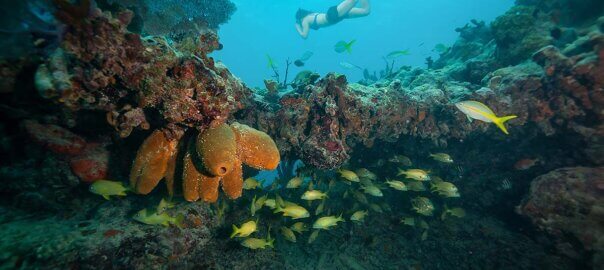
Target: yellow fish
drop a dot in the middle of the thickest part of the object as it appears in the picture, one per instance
(349, 175)
(403, 160)
(477, 110)
(457, 212)
(245, 230)
(270, 203)
(360, 197)
(153, 218)
(415, 174)
(442, 157)
(108, 188)
(279, 200)
(422, 206)
(299, 227)
(164, 205)
(312, 195)
(251, 183)
(416, 186)
(295, 182)
(358, 216)
(288, 234)
(398, 185)
(409, 221)
(372, 190)
(293, 211)
(445, 189)
(364, 173)
(325, 223)
(257, 204)
(376, 208)
(320, 208)
(258, 243)
(313, 236)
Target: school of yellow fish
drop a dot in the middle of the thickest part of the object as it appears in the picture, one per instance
(305, 205)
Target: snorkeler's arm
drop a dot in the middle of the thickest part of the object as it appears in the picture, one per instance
(302, 30)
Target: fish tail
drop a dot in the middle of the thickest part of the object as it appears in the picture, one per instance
(235, 231)
(500, 120)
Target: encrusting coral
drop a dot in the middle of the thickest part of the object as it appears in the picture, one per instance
(215, 158)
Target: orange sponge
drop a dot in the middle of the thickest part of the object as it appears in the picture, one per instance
(151, 162)
(232, 183)
(256, 149)
(217, 149)
(191, 179)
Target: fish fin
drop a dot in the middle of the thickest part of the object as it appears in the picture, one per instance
(469, 119)
(235, 231)
(106, 197)
(123, 193)
(180, 218)
(500, 120)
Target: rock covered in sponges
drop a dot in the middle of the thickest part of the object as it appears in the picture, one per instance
(101, 66)
(569, 203)
(56, 139)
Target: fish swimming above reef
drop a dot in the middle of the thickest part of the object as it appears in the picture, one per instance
(358, 216)
(364, 173)
(288, 234)
(440, 48)
(259, 243)
(153, 218)
(270, 62)
(293, 211)
(442, 157)
(372, 190)
(398, 185)
(525, 164)
(325, 223)
(107, 188)
(349, 175)
(302, 60)
(245, 230)
(396, 54)
(457, 212)
(445, 189)
(415, 174)
(164, 205)
(400, 159)
(422, 206)
(415, 186)
(312, 195)
(313, 236)
(251, 183)
(343, 46)
(299, 227)
(295, 182)
(347, 65)
(477, 110)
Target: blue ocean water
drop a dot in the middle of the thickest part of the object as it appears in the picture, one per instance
(264, 27)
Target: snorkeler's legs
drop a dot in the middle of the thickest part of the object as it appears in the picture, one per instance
(345, 7)
(363, 10)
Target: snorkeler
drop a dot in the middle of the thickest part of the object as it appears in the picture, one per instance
(306, 20)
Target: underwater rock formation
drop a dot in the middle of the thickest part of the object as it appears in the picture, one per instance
(174, 17)
(569, 203)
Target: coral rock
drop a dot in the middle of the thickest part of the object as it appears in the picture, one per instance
(568, 203)
(55, 138)
(92, 164)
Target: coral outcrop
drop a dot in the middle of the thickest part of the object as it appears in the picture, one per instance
(211, 159)
(569, 203)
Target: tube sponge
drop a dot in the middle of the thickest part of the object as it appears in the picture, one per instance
(232, 183)
(151, 162)
(191, 179)
(256, 149)
(218, 149)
